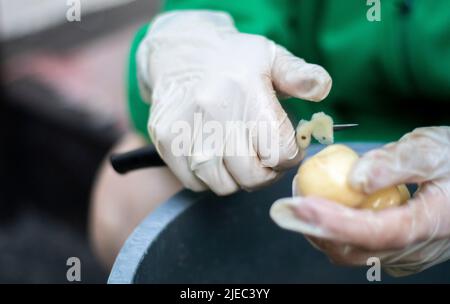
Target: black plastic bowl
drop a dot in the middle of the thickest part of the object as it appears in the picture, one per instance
(202, 238)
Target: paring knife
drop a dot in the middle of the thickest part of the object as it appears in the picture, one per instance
(147, 156)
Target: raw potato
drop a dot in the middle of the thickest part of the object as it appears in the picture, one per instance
(304, 132)
(326, 175)
(323, 128)
(320, 127)
(386, 198)
(404, 193)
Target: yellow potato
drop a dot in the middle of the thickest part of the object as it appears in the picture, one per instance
(326, 175)
(386, 198)
(404, 193)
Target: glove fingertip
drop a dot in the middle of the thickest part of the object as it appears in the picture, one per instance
(313, 83)
(283, 213)
(360, 177)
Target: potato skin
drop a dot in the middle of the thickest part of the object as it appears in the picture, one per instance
(326, 175)
(386, 198)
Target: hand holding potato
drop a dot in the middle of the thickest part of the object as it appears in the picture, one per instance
(407, 238)
(326, 175)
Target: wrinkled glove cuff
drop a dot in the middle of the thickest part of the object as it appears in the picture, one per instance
(192, 21)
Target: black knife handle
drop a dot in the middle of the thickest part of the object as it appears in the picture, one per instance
(148, 156)
(140, 158)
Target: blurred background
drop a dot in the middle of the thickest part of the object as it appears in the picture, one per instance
(56, 126)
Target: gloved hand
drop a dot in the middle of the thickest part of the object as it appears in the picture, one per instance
(407, 239)
(196, 64)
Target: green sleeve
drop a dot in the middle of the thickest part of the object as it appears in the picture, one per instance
(137, 108)
(270, 18)
(389, 76)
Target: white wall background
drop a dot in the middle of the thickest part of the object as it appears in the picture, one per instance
(21, 17)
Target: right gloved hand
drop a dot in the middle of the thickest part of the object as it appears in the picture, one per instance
(196, 64)
(406, 239)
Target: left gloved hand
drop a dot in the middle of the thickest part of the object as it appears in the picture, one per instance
(406, 239)
(215, 119)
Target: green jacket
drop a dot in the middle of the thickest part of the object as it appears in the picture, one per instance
(389, 76)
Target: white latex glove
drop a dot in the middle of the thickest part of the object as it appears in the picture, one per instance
(196, 62)
(407, 239)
